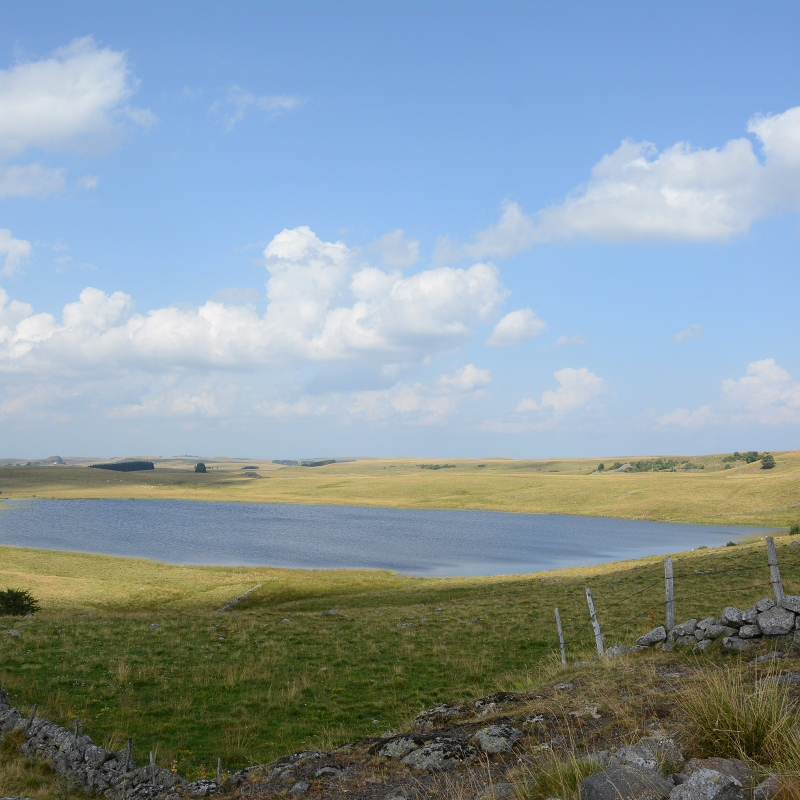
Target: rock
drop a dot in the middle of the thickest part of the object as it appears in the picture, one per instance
(616, 650)
(155, 626)
(734, 643)
(732, 617)
(440, 756)
(435, 716)
(400, 747)
(652, 637)
(727, 766)
(767, 789)
(664, 749)
(702, 644)
(791, 603)
(787, 679)
(11, 633)
(749, 631)
(327, 772)
(684, 629)
(765, 605)
(564, 686)
(776, 622)
(773, 656)
(301, 787)
(636, 755)
(204, 788)
(505, 791)
(497, 738)
(749, 615)
(708, 784)
(624, 783)
(712, 630)
(684, 640)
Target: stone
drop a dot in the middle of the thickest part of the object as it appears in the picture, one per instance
(155, 626)
(765, 605)
(440, 756)
(301, 787)
(749, 615)
(787, 679)
(732, 767)
(703, 644)
(791, 603)
(684, 629)
(11, 633)
(627, 782)
(564, 686)
(637, 755)
(767, 789)
(735, 643)
(664, 749)
(776, 622)
(400, 747)
(732, 617)
(684, 640)
(618, 649)
(708, 784)
(652, 637)
(434, 716)
(497, 738)
(328, 772)
(749, 631)
(502, 791)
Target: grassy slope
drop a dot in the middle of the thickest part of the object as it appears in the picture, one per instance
(743, 495)
(248, 687)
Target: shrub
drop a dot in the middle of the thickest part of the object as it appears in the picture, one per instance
(17, 602)
(201, 467)
(731, 544)
(768, 461)
(125, 466)
(601, 467)
(795, 529)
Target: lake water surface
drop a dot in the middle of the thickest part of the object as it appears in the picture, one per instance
(410, 541)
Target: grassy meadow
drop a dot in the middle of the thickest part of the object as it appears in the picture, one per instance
(275, 674)
(709, 493)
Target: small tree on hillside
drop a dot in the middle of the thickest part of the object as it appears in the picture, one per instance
(201, 467)
(768, 461)
(17, 602)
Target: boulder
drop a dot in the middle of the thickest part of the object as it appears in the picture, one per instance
(684, 640)
(684, 629)
(427, 720)
(497, 738)
(749, 631)
(765, 605)
(749, 615)
(400, 747)
(735, 643)
(791, 603)
(732, 617)
(505, 791)
(636, 755)
(440, 756)
(727, 766)
(664, 749)
(653, 637)
(776, 621)
(708, 784)
(767, 789)
(626, 782)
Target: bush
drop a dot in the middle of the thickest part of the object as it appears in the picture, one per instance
(768, 461)
(795, 529)
(201, 467)
(17, 602)
(125, 466)
(731, 544)
(601, 467)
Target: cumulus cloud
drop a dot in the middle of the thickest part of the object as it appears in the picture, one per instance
(681, 193)
(324, 305)
(693, 331)
(238, 100)
(13, 252)
(30, 180)
(766, 395)
(516, 328)
(75, 101)
(577, 388)
(396, 251)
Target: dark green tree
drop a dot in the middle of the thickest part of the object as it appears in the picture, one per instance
(201, 467)
(768, 461)
(17, 602)
(601, 467)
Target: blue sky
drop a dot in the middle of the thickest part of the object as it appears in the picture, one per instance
(399, 229)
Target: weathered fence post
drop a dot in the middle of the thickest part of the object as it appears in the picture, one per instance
(670, 593)
(774, 572)
(219, 770)
(128, 755)
(32, 718)
(561, 640)
(598, 636)
(152, 768)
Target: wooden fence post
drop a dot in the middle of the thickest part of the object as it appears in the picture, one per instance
(598, 636)
(561, 639)
(152, 768)
(774, 572)
(219, 770)
(128, 755)
(670, 593)
(32, 718)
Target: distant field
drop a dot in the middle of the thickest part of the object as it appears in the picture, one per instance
(742, 495)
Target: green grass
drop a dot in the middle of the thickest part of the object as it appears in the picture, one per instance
(247, 687)
(742, 495)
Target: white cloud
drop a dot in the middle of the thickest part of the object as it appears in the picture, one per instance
(681, 193)
(238, 100)
(578, 387)
(767, 395)
(465, 379)
(73, 101)
(396, 251)
(693, 331)
(573, 339)
(516, 328)
(13, 252)
(30, 180)
(324, 305)
(88, 182)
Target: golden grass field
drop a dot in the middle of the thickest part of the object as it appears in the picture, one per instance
(742, 495)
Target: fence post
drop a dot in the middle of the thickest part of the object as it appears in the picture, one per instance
(152, 768)
(128, 755)
(670, 593)
(219, 770)
(33, 717)
(561, 639)
(774, 572)
(598, 636)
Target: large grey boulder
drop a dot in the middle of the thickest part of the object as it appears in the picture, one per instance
(749, 615)
(664, 749)
(749, 631)
(497, 738)
(776, 622)
(767, 789)
(765, 605)
(440, 756)
(791, 603)
(708, 784)
(400, 747)
(732, 767)
(732, 617)
(735, 643)
(652, 637)
(626, 782)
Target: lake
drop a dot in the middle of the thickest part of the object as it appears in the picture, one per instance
(410, 541)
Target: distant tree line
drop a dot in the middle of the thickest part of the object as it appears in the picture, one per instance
(436, 466)
(126, 466)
